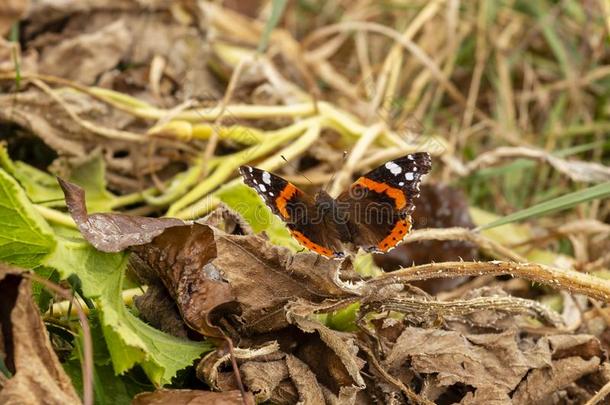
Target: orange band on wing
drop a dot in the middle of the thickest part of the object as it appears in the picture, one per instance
(396, 236)
(395, 193)
(305, 241)
(280, 202)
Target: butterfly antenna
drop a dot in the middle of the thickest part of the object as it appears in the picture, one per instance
(332, 178)
(296, 169)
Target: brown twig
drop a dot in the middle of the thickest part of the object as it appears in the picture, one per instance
(508, 304)
(569, 280)
(236, 372)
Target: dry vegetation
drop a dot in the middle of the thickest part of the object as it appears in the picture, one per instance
(147, 109)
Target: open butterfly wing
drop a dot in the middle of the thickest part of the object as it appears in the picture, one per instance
(379, 203)
(297, 209)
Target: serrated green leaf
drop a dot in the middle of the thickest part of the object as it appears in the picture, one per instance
(25, 237)
(130, 341)
(556, 204)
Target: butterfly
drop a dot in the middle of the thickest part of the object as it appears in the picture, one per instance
(374, 213)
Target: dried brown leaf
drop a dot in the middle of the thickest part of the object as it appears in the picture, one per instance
(480, 361)
(264, 278)
(490, 395)
(38, 377)
(264, 378)
(84, 57)
(334, 358)
(112, 232)
(192, 397)
(182, 258)
(208, 368)
(30, 110)
(541, 383)
(157, 308)
(305, 381)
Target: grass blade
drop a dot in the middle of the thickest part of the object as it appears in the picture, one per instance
(556, 204)
(276, 12)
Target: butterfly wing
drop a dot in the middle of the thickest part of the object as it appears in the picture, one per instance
(297, 209)
(378, 205)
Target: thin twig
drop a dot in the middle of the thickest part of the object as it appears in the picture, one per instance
(569, 280)
(236, 372)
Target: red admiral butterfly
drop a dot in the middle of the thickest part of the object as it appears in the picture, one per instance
(374, 213)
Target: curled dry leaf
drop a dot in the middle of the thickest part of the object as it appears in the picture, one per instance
(192, 397)
(84, 57)
(265, 278)
(493, 367)
(38, 377)
(334, 358)
(112, 232)
(178, 253)
(182, 258)
(158, 308)
(31, 110)
(312, 366)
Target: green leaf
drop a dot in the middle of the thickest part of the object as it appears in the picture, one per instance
(108, 388)
(249, 205)
(556, 204)
(39, 186)
(277, 9)
(40, 294)
(91, 176)
(25, 237)
(42, 187)
(130, 341)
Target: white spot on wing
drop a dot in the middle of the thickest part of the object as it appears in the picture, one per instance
(262, 187)
(250, 169)
(410, 157)
(271, 193)
(402, 183)
(409, 176)
(393, 168)
(266, 178)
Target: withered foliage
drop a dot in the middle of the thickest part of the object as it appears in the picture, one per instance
(35, 373)
(228, 283)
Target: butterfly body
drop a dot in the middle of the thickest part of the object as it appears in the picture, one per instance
(373, 213)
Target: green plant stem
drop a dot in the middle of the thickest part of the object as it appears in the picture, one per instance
(297, 147)
(55, 216)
